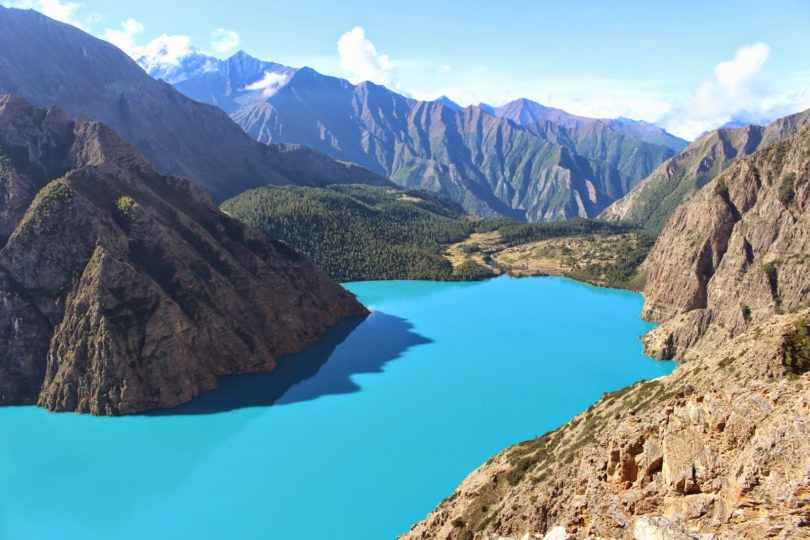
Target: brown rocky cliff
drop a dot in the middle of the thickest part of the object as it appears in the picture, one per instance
(122, 290)
(735, 254)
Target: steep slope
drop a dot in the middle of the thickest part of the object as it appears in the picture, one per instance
(490, 165)
(735, 254)
(674, 181)
(122, 290)
(598, 141)
(47, 62)
(717, 449)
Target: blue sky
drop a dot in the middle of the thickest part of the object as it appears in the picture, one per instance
(685, 65)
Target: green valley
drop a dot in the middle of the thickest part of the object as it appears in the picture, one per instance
(359, 232)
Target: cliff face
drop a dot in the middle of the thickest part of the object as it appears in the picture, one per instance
(719, 448)
(123, 290)
(735, 254)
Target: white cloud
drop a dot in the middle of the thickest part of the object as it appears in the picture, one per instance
(124, 37)
(733, 92)
(360, 59)
(269, 84)
(223, 41)
(166, 50)
(55, 9)
(443, 68)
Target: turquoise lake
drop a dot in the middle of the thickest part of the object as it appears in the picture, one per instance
(356, 438)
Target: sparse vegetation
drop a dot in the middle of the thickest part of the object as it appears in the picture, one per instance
(125, 206)
(50, 200)
(797, 349)
(773, 279)
(786, 191)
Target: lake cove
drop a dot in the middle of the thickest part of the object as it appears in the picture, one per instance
(356, 438)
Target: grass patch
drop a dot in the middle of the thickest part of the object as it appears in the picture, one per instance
(797, 350)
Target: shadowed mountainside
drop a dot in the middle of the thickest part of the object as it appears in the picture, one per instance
(122, 290)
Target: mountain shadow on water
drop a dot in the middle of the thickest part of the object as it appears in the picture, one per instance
(355, 345)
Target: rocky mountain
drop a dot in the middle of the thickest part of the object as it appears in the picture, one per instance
(735, 254)
(50, 63)
(490, 165)
(526, 112)
(598, 141)
(123, 290)
(717, 449)
(652, 201)
(231, 84)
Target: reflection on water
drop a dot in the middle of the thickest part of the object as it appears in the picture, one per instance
(355, 345)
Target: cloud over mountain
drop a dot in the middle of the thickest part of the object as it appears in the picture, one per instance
(223, 41)
(734, 94)
(360, 59)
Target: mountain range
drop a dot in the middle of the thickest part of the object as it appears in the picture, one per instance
(51, 63)
(521, 160)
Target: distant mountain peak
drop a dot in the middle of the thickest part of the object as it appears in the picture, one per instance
(487, 108)
(447, 102)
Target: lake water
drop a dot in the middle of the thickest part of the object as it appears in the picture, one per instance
(367, 431)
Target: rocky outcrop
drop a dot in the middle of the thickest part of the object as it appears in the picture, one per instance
(720, 448)
(735, 254)
(123, 290)
(655, 198)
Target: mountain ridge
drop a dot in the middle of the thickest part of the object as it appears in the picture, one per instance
(438, 146)
(51, 63)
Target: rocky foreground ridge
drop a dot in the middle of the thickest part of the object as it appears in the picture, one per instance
(721, 447)
(123, 290)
